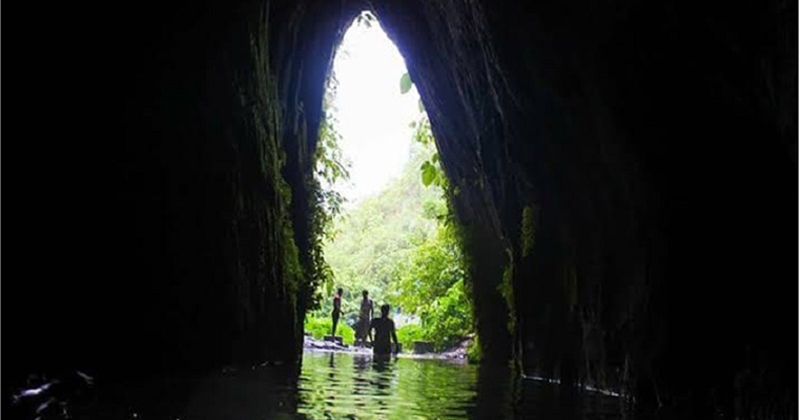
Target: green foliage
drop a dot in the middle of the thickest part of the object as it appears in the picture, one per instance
(428, 173)
(448, 317)
(374, 236)
(528, 231)
(325, 202)
(506, 289)
(431, 169)
(321, 326)
(474, 351)
(432, 283)
(329, 164)
(402, 245)
(405, 83)
(429, 273)
(408, 334)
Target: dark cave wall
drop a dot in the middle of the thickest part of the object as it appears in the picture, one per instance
(182, 236)
(522, 133)
(305, 37)
(654, 148)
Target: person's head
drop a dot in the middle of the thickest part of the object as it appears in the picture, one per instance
(385, 310)
(340, 291)
(365, 294)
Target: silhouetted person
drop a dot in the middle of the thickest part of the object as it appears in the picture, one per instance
(364, 317)
(384, 330)
(337, 309)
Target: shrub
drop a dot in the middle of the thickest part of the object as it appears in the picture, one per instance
(321, 326)
(408, 334)
(474, 351)
(448, 318)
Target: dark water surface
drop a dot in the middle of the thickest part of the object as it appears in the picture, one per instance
(354, 386)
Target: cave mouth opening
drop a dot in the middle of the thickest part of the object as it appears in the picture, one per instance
(389, 229)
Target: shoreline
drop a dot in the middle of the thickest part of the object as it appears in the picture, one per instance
(313, 345)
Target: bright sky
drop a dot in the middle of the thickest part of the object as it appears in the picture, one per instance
(373, 116)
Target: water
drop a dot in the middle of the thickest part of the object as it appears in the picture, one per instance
(355, 386)
(345, 386)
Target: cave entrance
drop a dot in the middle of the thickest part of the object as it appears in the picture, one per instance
(390, 229)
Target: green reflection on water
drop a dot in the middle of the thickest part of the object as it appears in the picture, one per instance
(353, 386)
(344, 386)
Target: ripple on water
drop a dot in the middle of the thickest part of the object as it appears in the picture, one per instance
(348, 386)
(337, 385)
(356, 386)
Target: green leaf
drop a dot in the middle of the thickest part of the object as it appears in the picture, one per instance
(405, 83)
(428, 173)
(328, 286)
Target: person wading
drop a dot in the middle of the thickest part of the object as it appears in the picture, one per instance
(384, 331)
(364, 317)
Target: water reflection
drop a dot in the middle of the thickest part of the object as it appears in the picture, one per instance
(346, 386)
(358, 386)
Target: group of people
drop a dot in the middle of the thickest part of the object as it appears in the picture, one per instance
(383, 326)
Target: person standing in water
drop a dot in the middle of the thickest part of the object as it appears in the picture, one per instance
(384, 331)
(364, 317)
(337, 309)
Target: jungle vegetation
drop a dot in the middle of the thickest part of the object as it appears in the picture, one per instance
(401, 244)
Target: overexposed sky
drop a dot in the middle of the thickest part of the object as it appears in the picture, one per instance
(373, 116)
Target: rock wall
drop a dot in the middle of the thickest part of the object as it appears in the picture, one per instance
(181, 237)
(630, 168)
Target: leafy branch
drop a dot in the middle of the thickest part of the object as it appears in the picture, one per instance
(330, 168)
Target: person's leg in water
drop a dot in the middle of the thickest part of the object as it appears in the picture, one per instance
(363, 328)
